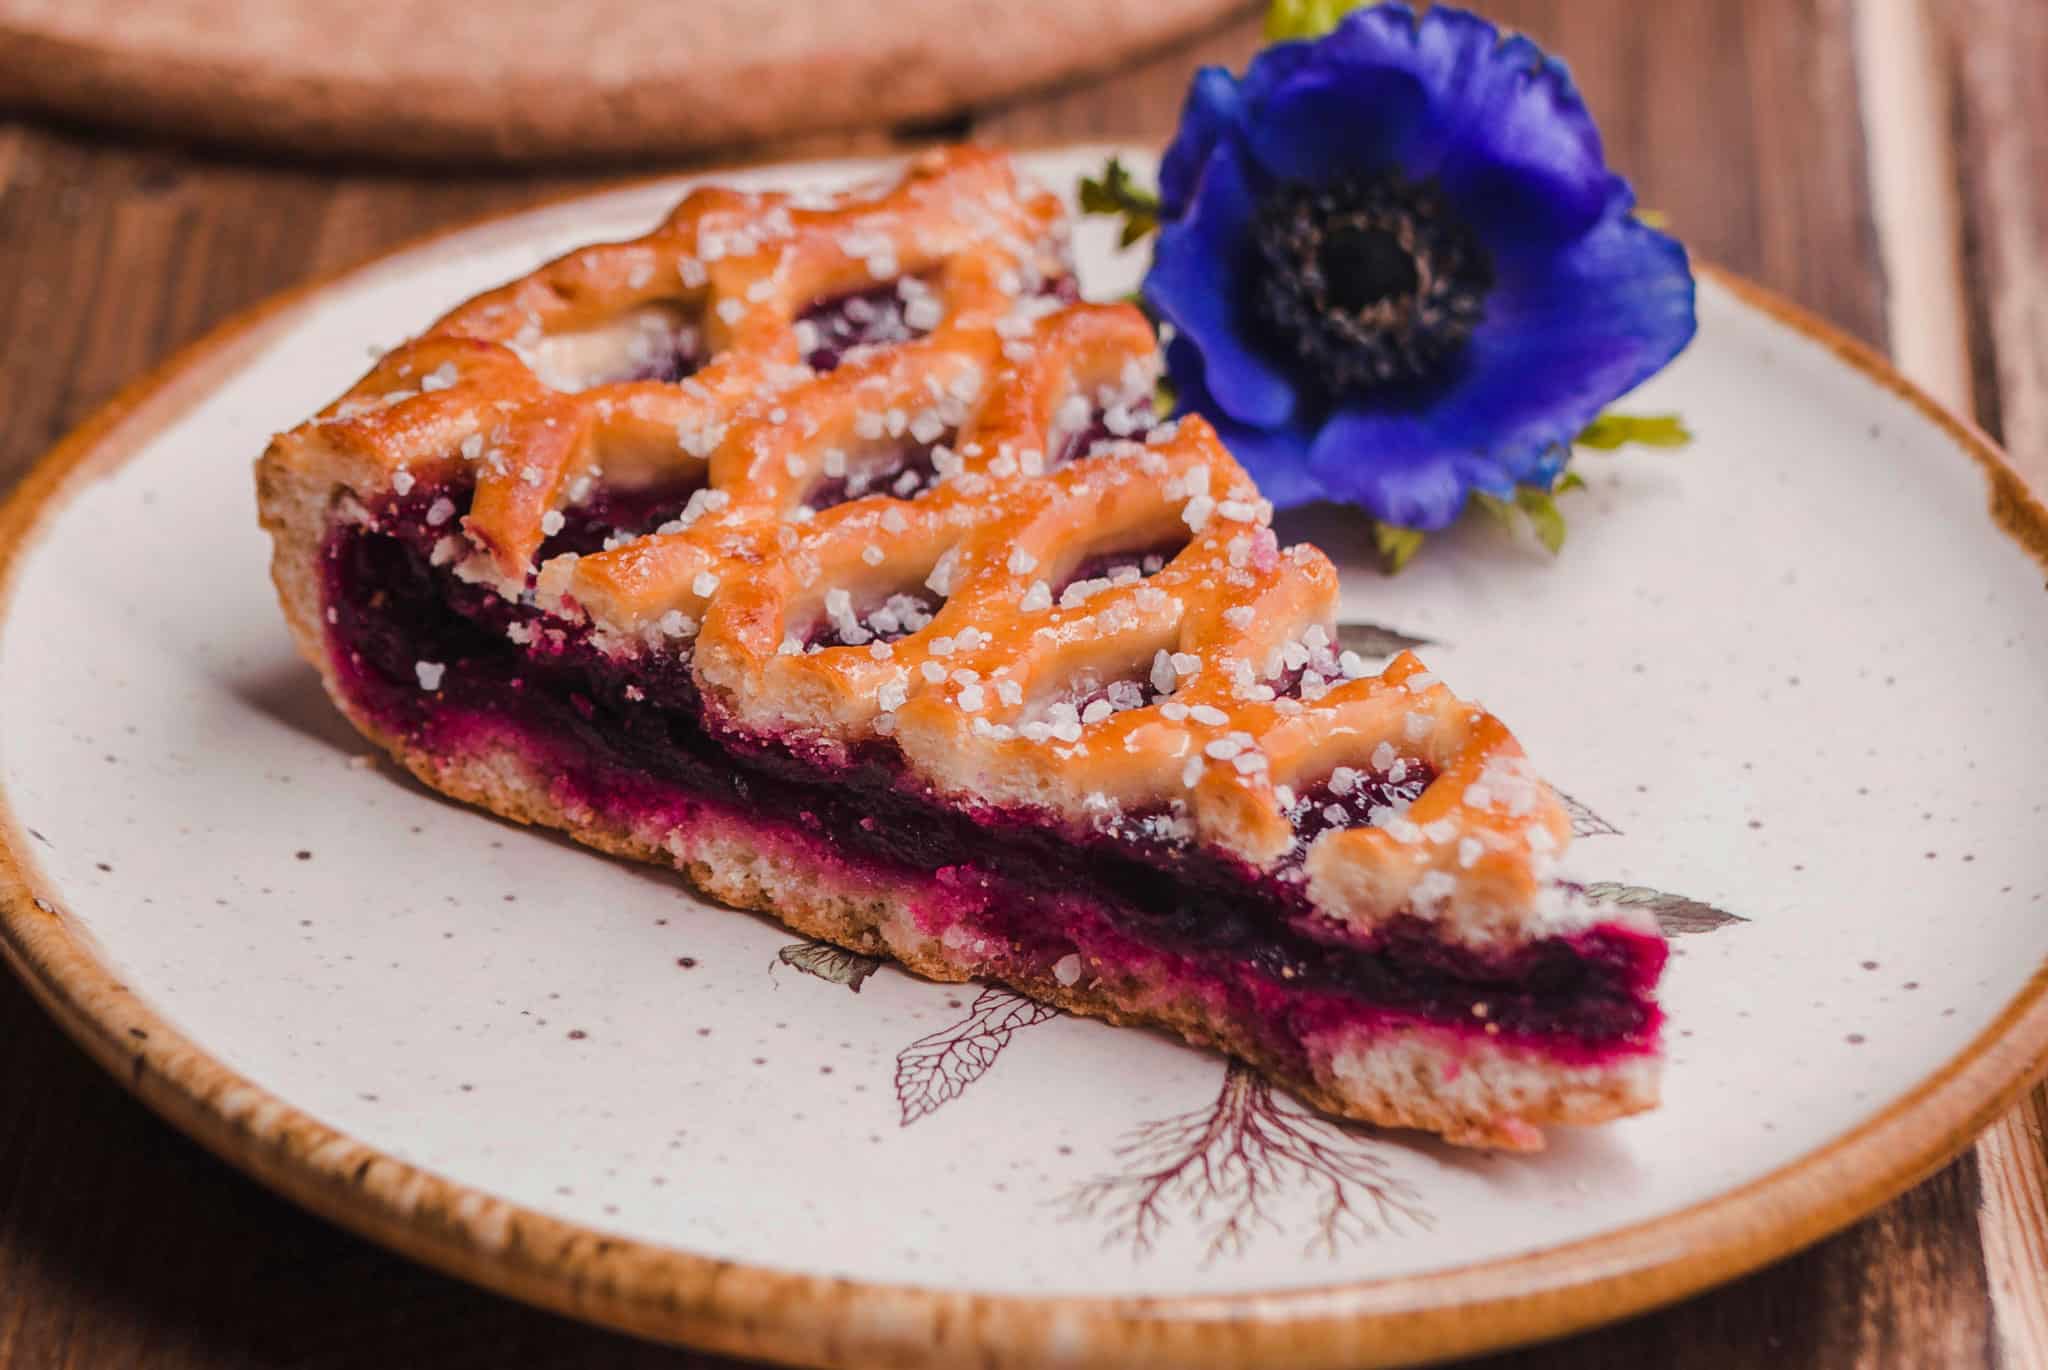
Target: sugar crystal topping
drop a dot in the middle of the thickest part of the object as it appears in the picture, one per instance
(898, 543)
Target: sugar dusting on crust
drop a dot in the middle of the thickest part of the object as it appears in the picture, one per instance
(942, 610)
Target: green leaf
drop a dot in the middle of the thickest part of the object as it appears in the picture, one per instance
(827, 962)
(1676, 915)
(1289, 20)
(1114, 193)
(1396, 545)
(1612, 430)
(1570, 480)
(1543, 516)
(1494, 507)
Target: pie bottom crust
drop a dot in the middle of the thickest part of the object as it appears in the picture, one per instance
(1467, 1087)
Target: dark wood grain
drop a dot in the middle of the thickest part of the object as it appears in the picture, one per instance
(1995, 58)
(430, 84)
(122, 1244)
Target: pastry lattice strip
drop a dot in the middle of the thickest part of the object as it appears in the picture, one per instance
(1205, 696)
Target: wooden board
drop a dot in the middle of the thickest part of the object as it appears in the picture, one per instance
(501, 80)
(1994, 55)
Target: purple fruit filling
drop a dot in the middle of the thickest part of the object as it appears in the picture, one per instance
(612, 513)
(682, 359)
(1119, 568)
(890, 313)
(899, 311)
(906, 474)
(627, 733)
(897, 616)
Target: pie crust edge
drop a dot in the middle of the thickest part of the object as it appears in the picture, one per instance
(1470, 1089)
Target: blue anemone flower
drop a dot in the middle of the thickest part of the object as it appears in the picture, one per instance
(1399, 269)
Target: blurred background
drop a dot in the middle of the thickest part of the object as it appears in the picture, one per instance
(163, 166)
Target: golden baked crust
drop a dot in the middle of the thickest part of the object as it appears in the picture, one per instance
(1209, 691)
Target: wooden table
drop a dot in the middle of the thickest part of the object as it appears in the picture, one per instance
(1923, 227)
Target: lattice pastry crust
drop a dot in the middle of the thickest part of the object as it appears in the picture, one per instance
(1205, 699)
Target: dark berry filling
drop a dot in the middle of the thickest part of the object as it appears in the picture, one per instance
(1350, 799)
(1121, 423)
(665, 343)
(897, 615)
(608, 513)
(906, 473)
(1118, 568)
(630, 736)
(684, 358)
(898, 311)
(830, 329)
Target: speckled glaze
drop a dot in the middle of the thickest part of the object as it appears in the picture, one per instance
(1790, 679)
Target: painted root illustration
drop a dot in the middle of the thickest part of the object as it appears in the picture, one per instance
(1226, 1168)
(1231, 1168)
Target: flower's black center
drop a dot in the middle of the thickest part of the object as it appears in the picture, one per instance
(1369, 284)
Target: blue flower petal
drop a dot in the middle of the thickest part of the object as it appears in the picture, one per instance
(1485, 474)
(1273, 456)
(1329, 119)
(1394, 465)
(1525, 162)
(1210, 112)
(1547, 467)
(1586, 302)
(1563, 339)
(1273, 67)
(1195, 264)
(1558, 345)
(1498, 124)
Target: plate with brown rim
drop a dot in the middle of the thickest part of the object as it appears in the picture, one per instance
(1789, 680)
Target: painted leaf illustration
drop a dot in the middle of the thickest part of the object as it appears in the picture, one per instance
(939, 1065)
(1585, 823)
(1676, 914)
(827, 962)
(1370, 640)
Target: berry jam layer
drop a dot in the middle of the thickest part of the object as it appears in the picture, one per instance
(445, 662)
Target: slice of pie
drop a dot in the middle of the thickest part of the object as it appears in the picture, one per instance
(824, 548)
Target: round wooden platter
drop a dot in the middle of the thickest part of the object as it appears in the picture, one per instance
(509, 81)
(1780, 1125)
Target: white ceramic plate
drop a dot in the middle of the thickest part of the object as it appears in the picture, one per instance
(1792, 676)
